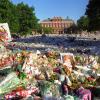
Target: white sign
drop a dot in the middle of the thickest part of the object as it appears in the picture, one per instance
(5, 35)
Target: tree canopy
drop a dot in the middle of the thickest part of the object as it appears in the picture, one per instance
(83, 22)
(21, 18)
(47, 30)
(93, 13)
(27, 19)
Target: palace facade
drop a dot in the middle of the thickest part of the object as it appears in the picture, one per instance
(58, 24)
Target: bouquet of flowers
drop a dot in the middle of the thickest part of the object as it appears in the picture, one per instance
(9, 83)
(48, 88)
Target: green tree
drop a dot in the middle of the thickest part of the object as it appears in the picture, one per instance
(39, 29)
(8, 14)
(83, 22)
(93, 13)
(47, 30)
(21, 18)
(13, 21)
(5, 10)
(27, 19)
(71, 29)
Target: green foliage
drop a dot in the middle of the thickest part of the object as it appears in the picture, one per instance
(47, 30)
(83, 22)
(27, 19)
(8, 14)
(5, 10)
(71, 29)
(93, 13)
(14, 23)
(39, 28)
(22, 75)
(21, 18)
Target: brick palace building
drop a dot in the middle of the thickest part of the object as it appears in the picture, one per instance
(58, 24)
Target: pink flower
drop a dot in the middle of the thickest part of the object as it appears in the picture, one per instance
(49, 65)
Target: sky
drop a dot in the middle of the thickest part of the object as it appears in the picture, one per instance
(44, 9)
